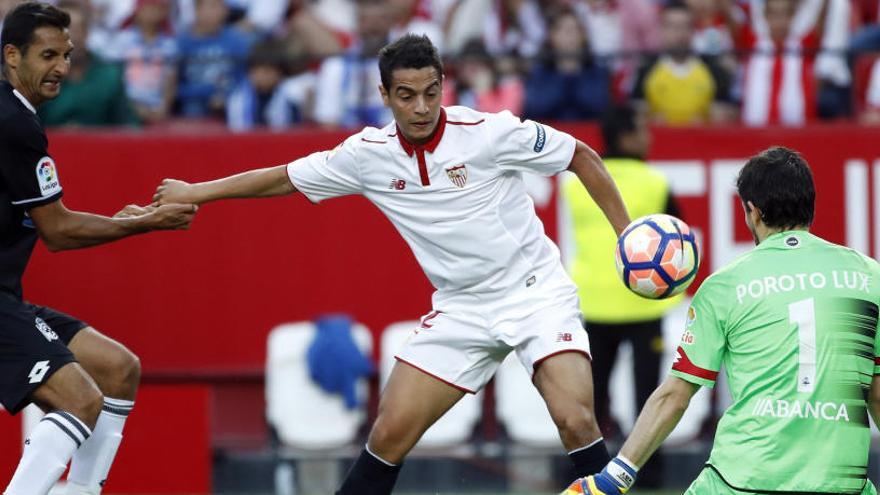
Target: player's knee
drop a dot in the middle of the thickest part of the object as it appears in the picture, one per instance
(130, 367)
(125, 372)
(576, 422)
(86, 405)
(389, 438)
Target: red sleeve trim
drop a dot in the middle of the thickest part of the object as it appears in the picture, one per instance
(683, 364)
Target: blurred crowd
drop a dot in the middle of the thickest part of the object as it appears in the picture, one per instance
(281, 63)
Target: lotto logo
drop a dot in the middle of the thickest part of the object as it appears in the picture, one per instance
(397, 184)
(38, 372)
(563, 337)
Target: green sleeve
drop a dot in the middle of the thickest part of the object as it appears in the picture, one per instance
(703, 343)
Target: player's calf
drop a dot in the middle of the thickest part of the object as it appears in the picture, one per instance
(73, 403)
(72, 390)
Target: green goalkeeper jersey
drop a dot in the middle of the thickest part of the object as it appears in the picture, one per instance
(794, 322)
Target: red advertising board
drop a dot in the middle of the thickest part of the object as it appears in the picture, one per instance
(203, 301)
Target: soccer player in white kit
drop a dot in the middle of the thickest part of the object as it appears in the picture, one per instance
(450, 180)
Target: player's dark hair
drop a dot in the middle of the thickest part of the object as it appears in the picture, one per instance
(412, 51)
(21, 23)
(616, 122)
(779, 182)
(675, 5)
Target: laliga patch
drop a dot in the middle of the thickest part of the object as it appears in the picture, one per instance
(47, 177)
(541, 139)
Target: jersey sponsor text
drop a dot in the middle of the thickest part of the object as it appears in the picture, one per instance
(782, 408)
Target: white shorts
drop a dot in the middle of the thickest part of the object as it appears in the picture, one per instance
(462, 348)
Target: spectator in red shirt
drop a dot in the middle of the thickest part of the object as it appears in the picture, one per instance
(779, 86)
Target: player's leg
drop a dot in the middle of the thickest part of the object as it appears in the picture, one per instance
(565, 382)
(36, 367)
(447, 356)
(73, 403)
(604, 343)
(553, 347)
(116, 370)
(411, 402)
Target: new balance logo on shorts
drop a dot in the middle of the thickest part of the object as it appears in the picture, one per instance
(45, 329)
(563, 337)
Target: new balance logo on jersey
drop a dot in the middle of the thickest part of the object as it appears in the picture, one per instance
(397, 184)
(45, 329)
(563, 337)
(781, 408)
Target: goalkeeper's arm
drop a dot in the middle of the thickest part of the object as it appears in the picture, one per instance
(658, 418)
(661, 414)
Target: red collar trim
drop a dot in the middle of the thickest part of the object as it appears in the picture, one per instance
(431, 145)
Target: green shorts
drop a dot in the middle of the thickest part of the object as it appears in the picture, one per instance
(708, 482)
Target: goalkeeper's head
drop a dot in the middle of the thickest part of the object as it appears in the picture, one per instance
(777, 185)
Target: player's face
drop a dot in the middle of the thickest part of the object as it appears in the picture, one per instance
(414, 99)
(40, 70)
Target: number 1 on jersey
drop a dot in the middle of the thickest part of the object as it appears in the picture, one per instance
(803, 314)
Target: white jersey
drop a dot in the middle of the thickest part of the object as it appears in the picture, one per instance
(458, 200)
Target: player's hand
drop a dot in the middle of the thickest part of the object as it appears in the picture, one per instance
(617, 478)
(594, 485)
(173, 191)
(134, 211)
(172, 216)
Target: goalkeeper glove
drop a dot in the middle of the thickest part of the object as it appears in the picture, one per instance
(616, 479)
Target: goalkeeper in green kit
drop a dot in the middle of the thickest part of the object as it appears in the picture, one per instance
(794, 322)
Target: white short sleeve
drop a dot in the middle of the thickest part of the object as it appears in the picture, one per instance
(527, 146)
(328, 174)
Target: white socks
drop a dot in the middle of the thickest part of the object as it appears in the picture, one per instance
(91, 463)
(46, 453)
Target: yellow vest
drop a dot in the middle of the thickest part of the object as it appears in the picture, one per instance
(604, 297)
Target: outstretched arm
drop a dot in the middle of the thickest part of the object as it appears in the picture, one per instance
(259, 183)
(588, 166)
(658, 418)
(62, 229)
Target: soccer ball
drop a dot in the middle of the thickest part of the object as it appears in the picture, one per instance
(657, 256)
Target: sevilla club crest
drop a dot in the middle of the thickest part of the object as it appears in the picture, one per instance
(458, 175)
